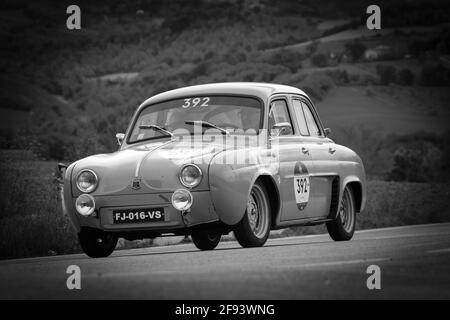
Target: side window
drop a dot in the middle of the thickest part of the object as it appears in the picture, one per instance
(312, 125)
(279, 113)
(301, 121)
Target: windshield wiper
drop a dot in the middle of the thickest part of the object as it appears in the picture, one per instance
(206, 124)
(157, 128)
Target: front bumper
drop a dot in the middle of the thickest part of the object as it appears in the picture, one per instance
(201, 212)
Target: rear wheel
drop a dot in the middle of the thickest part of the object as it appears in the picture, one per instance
(97, 243)
(343, 227)
(254, 228)
(205, 240)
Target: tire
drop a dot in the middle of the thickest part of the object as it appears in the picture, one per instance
(254, 228)
(204, 240)
(343, 227)
(97, 243)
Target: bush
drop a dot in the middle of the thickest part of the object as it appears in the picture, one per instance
(435, 75)
(320, 60)
(356, 49)
(51, 146)
(416, 164)
(312, 47)
(422, 46)
(405, 77)
(287, 58)
(386, 74)
(340, 77)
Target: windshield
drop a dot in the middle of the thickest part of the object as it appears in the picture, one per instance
(233, 114)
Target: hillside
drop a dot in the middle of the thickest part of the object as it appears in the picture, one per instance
(66, 93)
(401, 110)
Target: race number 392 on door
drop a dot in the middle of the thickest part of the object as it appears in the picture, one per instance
(301, 185)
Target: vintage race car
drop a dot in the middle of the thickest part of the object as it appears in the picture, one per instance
(212, 159)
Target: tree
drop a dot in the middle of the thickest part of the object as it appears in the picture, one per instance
(416, 163)
(356, 49)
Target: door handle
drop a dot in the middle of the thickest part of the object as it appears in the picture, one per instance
(305, 150)
(331, 150)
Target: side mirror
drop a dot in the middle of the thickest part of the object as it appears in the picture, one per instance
(120, 137)
(62, 169)
(60, 174)
(327, 131)
(282, 128)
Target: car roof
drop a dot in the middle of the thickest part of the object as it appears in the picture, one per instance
(261, 90)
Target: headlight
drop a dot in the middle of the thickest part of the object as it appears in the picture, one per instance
(182, 199)
(190, 175)
(87, 181)
(85, 204)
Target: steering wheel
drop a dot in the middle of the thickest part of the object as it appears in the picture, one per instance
(215, 112)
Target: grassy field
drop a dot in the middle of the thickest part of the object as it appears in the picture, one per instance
(31, 219)
(32, 222)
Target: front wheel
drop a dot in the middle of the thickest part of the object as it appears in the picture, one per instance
(97, 243)
(254, 228)
(204, 240)
(343, 227)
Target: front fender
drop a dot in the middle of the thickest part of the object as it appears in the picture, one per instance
(230, 186)
(67, 203)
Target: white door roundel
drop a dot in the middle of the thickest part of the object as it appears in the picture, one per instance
(301, 185)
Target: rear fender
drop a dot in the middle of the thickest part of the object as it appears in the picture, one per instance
(361, 196)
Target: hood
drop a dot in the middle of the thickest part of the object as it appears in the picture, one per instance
(156, 165)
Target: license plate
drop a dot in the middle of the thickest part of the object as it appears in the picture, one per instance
(138, 215)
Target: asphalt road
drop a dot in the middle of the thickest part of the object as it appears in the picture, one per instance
(414, 262)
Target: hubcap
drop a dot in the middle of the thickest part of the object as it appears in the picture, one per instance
(212, 237)
(346, 212)
(257, 211)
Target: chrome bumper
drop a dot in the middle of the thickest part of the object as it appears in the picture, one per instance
(202, 211)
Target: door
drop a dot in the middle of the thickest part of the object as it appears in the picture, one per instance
(323, 153)
(295, 164)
